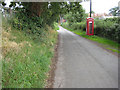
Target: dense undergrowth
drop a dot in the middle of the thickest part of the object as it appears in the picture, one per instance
(26, 57)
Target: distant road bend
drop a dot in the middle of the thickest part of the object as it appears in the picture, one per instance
(83, 64)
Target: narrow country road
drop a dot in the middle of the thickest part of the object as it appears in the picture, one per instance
(83, 64)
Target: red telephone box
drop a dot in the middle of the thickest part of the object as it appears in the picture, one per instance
(90, 26)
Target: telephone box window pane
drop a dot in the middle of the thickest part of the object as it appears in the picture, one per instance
(90, 28)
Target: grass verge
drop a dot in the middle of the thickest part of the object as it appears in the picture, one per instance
(108, 44)
(56, 26)
(26, 57)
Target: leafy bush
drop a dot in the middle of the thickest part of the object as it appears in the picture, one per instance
(108, 28)
(56, 26)
(65, 24)
(75, 26)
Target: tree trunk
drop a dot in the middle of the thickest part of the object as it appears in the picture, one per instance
(36, 8)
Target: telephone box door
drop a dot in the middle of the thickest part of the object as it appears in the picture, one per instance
(90, 26)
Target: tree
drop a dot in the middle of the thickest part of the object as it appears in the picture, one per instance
(92, 12)
(40, 14)
(114, 11)
(76, 14)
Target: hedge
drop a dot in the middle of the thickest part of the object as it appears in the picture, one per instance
(108, 28)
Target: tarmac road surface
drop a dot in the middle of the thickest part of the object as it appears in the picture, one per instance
(83, 64)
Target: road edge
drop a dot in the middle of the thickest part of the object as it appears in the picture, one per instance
(98, 44)
(53, 66)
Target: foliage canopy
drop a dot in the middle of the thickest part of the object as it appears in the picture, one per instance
(33, 15)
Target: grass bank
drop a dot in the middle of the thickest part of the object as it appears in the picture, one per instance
(26, 57)
(108, 44)
(56, 26)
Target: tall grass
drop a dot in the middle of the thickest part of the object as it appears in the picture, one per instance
(26, 57)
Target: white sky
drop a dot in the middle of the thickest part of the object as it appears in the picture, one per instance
(8, 2)
(100, 6)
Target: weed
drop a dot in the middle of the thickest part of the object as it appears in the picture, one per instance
(26, 58)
